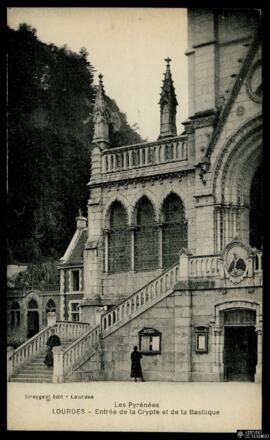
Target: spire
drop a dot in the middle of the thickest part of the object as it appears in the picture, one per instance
(101, 116)
(168, 104)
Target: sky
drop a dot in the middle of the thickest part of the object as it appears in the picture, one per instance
(128, 46)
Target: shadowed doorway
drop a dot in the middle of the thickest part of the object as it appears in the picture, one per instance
(240, 345)
(32, 319)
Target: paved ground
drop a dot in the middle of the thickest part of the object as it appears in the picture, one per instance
(129, 406)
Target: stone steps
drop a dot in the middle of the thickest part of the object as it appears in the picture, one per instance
(31, 379)
(36, 370)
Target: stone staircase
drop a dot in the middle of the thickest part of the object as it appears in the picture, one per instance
(36, 370)
(26, 363)
(140, 301)
(81, 342)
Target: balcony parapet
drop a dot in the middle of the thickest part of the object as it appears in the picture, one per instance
(145, 154)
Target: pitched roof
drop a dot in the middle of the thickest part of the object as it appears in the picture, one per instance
(76, 255)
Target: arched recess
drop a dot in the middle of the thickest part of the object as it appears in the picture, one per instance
(50, 306)
(174, 229)
(108, 205)
(219, 334)
(144, 193)
(118, 239)
(236, 303)
(146, 236)
(32, 304)
(32, 318)
(233, 173)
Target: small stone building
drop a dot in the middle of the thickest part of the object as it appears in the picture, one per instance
(28, 312)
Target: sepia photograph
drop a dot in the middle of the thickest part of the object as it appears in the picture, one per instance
(135, 220)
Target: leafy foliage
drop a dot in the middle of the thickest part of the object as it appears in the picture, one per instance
(50, 105)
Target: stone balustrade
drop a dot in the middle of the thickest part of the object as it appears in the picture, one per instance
(203, 266)
(146, 154)
(71, 330)
(66, 360)
(140, 300)
(33, 346)
(28, 350)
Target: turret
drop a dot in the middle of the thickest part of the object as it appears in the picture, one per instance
(168, 103)
(101, 118)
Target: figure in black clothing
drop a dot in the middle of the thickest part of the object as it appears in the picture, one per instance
(136, 369)
(53, 341)
(237, 266)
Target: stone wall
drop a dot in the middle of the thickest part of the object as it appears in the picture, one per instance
(18, 334)
(119, 345)
(176, 317)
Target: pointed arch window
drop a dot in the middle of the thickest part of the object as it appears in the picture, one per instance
(118, 239)
(146, 237)
(174, 230)
(32, 304)
(15, 314)
(50, 307)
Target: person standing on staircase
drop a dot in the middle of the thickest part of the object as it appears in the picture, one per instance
(136, 369)
(53, 341)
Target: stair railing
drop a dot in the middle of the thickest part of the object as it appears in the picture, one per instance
(33, 346)
(137, 302)
(65, 360)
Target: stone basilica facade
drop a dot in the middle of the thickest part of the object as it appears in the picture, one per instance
(170, 256)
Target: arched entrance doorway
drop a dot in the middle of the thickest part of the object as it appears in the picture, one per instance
(237, 340)
(236, 184)
(240, 345)
(32, 318)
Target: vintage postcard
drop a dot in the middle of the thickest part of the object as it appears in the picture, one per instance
(135, 238)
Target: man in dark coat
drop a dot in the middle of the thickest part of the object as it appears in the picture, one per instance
(53, 341)
(237, 266)
(136, 369)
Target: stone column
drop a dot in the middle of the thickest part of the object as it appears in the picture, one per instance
(106, 250)
(160, 237)
(92, 252)
(125, 160)
(130, 158)
(62, 314)
(132, 247)
(58, 364)
(245, 224)
(217, 353)
(226, 226)
(62, 280)
(140, 156)
(217, 238)
(258, 374)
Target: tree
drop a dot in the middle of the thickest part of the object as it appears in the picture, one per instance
(50, 128)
